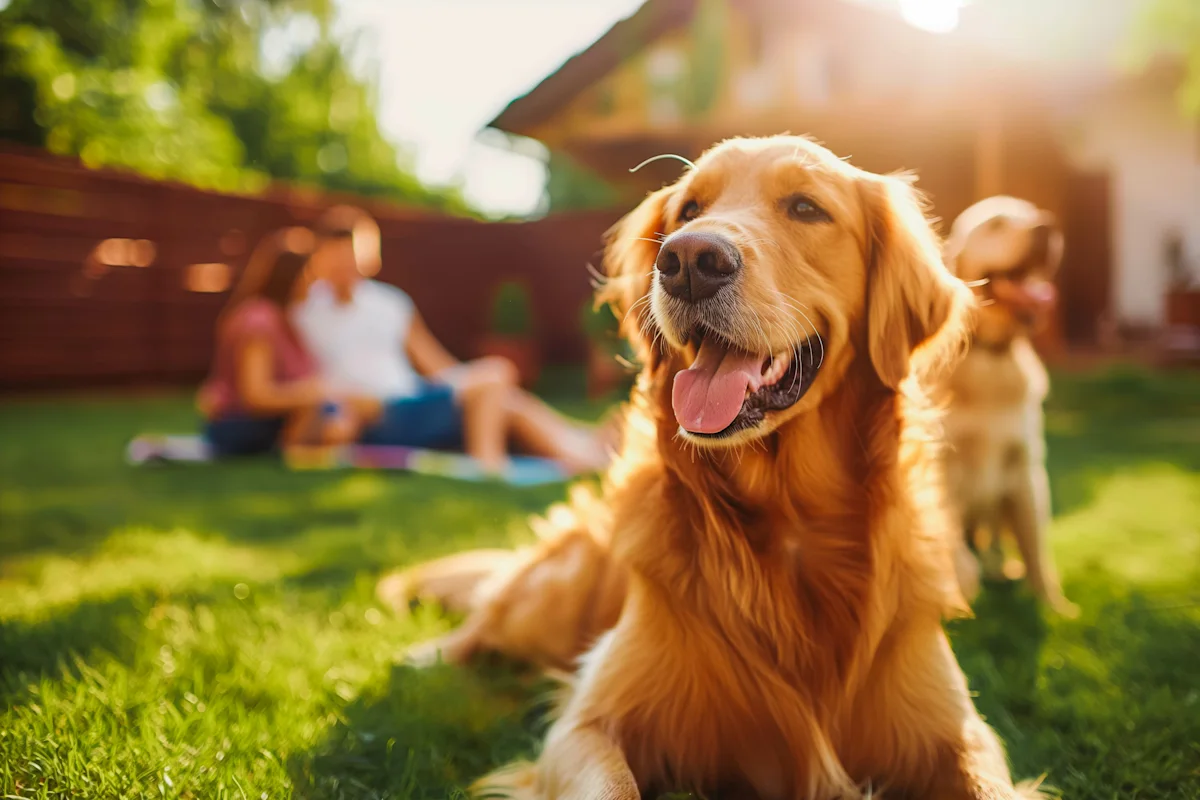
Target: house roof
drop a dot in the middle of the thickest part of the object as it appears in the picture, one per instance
(650, 21)
(1081, 42)
(654, 18)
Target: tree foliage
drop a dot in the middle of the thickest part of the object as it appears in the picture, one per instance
(1173, 26)
(708, 52)
(573, 187)
(181, 89)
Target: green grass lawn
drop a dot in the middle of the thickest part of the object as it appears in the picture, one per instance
(210, 632)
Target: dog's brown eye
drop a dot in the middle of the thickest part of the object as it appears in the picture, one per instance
(803, 209)
(690, 210)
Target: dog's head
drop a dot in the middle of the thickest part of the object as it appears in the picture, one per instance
(762, 274)
(1009, 250)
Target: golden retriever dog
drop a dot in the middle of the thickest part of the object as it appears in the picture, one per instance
(545, 604)
(1010, 251)
(771, 548)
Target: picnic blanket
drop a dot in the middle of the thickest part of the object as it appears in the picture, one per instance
(522, 470)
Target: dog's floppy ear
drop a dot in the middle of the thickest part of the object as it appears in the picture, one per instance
(911, 296)
(631, 248)
(1049, 228)
(952, 248)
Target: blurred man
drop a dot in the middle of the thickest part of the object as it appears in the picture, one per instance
(368, 338)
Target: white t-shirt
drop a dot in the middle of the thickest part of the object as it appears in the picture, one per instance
(359, 346)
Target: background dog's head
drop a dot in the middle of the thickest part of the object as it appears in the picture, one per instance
(757, 279)
(1010, 250)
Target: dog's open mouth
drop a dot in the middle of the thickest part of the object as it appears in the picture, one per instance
(727, 389)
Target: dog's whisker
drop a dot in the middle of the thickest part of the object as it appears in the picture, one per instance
(758, 324)
(795, 332)
(765, 241)
(643, 299)
(661, 156)
(820, 339)
(599, 279)
(797, 355)
(791, 303)
(657, 334)
(659, 242)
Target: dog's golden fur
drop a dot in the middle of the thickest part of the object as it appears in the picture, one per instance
(545, 604)
(781, 628)
(996, 447)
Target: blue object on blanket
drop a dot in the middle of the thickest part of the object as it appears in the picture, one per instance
(529, 471)
(522, 470)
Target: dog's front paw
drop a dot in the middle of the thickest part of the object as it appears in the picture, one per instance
(425, 654)
(456, 647)
(1065, 608)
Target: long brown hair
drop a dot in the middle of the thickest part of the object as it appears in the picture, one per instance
(275, 266)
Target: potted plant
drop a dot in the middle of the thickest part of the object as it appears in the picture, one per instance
(510, 334)
(1181, 337)
(608, 354)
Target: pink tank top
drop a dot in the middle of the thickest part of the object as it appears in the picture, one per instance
(254, 319)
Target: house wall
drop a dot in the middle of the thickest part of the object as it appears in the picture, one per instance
(643, 92)
(1152, 154)
(799, 73)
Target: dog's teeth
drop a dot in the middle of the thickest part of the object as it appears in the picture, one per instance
(779, 366)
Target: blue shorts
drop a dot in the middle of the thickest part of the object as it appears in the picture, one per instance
(430, 418)
(243, 435)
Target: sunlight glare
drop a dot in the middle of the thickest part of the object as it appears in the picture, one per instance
(935, 16)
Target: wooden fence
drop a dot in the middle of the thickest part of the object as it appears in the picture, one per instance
(107, 278)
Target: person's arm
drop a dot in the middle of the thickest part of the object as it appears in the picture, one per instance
(258, 389)
(207, 402)
(425, 351)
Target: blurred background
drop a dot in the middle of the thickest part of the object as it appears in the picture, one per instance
(145, 145)
(212, 631)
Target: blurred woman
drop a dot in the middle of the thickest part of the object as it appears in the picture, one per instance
(263, 391)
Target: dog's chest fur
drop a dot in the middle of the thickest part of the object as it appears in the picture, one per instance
(769, 628)
(993, 424)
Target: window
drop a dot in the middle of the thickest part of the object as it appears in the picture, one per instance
(125, 252)
(210, 278)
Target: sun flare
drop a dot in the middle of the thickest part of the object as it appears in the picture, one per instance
(935, 16)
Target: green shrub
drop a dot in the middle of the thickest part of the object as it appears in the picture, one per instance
(599, 322)
(603, 329)
(512, 313)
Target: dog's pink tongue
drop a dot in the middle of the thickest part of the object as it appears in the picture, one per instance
(708, 395)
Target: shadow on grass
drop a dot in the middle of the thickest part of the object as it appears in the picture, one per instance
(1000, 649)
(426, 733)
(1106, 706)
(31, 650)
(64, 485)
(1104, 423)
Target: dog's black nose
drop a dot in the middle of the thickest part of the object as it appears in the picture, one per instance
(693, 265)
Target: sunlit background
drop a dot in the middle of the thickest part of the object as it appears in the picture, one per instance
(445, 69)
(538, 109)
(210, 629)
(484, 53)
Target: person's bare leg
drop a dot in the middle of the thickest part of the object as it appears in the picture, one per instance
(485, 421)
(356, 413)
(303, 426)
(544, 432)
(495, 409)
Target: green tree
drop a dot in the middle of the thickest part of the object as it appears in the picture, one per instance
(178, 89)
(573, 187)
(1173, 27)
